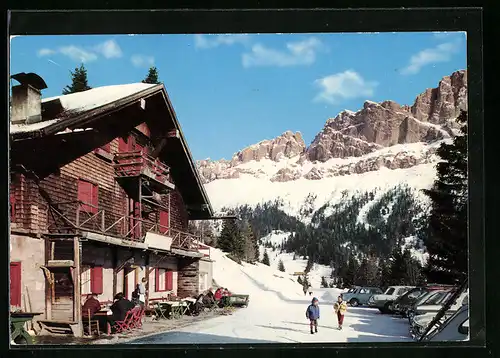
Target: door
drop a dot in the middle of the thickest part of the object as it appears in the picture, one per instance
(129, 283)
(15, 284)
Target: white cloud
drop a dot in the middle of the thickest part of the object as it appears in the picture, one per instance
(441, 53)
(212, 41)
(296, 53)
(109, 49)
(45, 52)
(78, 54)
(142, 60)
(343, 85)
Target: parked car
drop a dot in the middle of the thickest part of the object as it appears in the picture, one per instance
(360, 295)
(419, 322)
(455, 328)
(401, 304)
(404, 303)
(383, 301)
(430, 299)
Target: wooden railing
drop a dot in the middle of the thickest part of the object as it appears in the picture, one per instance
(131, 164)
(66, 217)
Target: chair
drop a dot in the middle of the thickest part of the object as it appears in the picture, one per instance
(136, 321)
(124, 326)
(90, 324)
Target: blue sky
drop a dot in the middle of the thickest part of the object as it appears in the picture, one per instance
(230, 91)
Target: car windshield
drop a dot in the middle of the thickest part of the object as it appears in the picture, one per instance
(390, 291)
(434, 300)
(444, 298)
(351, 290)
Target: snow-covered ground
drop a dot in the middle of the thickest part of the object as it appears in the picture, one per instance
(292, 266)
(276, 313)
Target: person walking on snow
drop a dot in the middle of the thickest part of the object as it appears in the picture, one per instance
(312, 314)
(340, 307)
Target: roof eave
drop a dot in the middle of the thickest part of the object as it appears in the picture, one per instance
(188, 152)
(93, 113)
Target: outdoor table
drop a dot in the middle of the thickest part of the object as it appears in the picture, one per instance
(17, 321)
(102, 318)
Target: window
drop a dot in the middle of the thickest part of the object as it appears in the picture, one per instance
(163, 280)
(402, 291)
(363, 291)
(390, 291)
(164, 221)
(96, 285)
(86, 287)
(88, 194)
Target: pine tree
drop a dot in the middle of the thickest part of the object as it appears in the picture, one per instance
(152, 76)
(446, 234)
(251, 246)
(230, 239)
(281, 266)
(324, 283)
(79, 81)
(265, 259)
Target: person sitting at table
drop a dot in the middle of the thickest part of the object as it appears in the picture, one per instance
(198, 305)
(91, 305)
(210, 293)
(208, 300)
(120, 307)
(218, 294)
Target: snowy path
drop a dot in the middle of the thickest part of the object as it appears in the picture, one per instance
(276, 313)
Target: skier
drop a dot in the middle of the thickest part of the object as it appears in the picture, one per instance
(312, 314)
(340, 307)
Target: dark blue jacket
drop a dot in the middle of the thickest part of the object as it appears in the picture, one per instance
(312, 312)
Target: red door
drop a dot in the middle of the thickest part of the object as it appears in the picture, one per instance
(15, 284)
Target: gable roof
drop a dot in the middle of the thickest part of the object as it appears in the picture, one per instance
(76, 109)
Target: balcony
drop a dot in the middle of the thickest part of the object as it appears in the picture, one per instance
(69, 218)
(132, 165)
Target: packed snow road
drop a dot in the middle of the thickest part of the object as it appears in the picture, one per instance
(276, 313)
(286, 323)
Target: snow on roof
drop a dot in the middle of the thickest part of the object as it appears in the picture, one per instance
(99, 96)
(84, 101)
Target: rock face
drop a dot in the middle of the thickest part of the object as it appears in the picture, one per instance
(287, 145)
(388, 123)
(355, 134)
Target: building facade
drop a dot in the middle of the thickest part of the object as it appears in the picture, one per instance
(102, 189)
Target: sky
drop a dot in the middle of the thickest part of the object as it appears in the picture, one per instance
(233, 90)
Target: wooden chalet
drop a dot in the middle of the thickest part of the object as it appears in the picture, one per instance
(102, 188)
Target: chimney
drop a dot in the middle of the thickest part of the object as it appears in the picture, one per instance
(26, 101)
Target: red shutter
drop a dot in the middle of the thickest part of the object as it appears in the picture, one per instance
(125, 145)
(12, 201)
(95, 198)
(157, 280)
(169, 280)
(96, 284)
(85, 195)
(15, 284)
(164, 221)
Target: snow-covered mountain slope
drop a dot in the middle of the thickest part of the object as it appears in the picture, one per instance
(249, 190)
(293, 263)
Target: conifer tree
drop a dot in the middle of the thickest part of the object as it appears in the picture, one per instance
(230, 237)
(152, 76)
(79, 81)
(265, 259)
(446, 234)
(281, 266)
(324, 283)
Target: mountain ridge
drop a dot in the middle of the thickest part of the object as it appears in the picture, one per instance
(354, 137)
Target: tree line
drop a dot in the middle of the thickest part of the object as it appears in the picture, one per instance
(80, 83)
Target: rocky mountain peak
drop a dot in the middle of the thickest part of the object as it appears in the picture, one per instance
(286, 145)
(388, 123)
